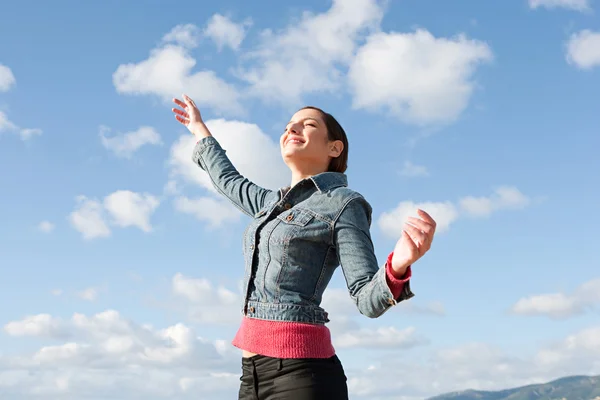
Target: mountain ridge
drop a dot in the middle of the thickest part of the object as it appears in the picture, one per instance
(577, 387)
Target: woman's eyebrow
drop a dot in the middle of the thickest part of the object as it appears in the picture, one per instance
(304, 119)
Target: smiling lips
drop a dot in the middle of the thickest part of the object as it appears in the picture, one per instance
(294, 141)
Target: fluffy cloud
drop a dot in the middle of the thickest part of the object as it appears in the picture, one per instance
(167, 72)
(411, 170)
(88, 218)
(561, 305)
(446, 213)
(391, 222)
(504, 197)
(89, 294)
(207, 304)
(7, 79)
(381, 338)
(125, 209)
(128, 208)
(578, 5)
(477, 366)
(108, 356)
(41, 325)
(346, 327)
(252, 152)
(583, 49)
(224, 32)
(7, 125)
(124, 145)
(45, 226)
(186, 35)
(255, 155)
(212, 211)
(305, 57)
(416, 76)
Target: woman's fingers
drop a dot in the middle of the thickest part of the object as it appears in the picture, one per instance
(184, 121)
(181, 112)
(189, 99)
(420, 224)
(417, 235)
(426, 217)
(179, 103)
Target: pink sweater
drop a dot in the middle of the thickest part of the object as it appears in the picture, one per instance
(294, 339)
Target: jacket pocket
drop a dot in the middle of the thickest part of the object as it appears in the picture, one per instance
(297, 217)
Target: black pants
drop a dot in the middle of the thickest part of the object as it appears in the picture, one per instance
(266, 378)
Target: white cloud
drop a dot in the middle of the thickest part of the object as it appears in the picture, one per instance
(186, 35)
(224, 32)
(88, 218)
(56, 292)
(415, 76)
(346, 330)
(561, 305)
(167, 73)
(411, 170)
(207, 304)
(305, 57)
(7, 79)
(434, 308)
(128, 208)
(254, 154)
(504, 197)
(446, 213)
(577, 5)
(583, 49)
(214, 212)
(477, 366)
(124, 145)
(108, 356)
(41, 325)
(380, 338)
(391, 222)
(8, 126)
(89, 294)
(46, 226)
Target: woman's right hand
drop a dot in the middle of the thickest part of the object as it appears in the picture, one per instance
(190, 117)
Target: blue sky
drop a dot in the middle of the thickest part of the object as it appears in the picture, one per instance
(121, 266)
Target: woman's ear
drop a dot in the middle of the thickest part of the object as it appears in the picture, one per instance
(336, 148)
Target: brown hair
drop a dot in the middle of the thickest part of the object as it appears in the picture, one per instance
(334, 132)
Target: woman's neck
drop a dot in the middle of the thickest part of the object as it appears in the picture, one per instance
(299, 175)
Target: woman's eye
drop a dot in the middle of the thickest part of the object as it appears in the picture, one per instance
(313, 125)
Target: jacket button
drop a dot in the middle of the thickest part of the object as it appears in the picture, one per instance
(288, 206)
(391, 302)
(290, 217)
(251, 309)
(251, 247)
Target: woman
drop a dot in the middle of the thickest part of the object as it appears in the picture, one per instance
(297, 237)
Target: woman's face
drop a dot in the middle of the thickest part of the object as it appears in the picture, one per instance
(305, 140)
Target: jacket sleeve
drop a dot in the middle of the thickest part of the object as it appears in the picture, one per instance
(246, 195)
(366, 280)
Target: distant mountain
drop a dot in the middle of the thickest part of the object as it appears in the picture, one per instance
(569, 388)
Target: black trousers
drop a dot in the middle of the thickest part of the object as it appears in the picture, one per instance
(267, 378)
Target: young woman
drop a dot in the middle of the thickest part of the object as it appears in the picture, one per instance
(297, 237)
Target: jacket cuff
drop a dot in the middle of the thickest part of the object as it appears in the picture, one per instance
(397, 285)
(202, 145)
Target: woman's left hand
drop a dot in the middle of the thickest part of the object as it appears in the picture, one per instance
(416, 239)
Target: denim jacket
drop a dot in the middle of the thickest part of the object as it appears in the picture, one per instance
(297, 238)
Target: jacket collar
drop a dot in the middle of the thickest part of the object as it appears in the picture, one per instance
(324, 182)
(329, 180)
